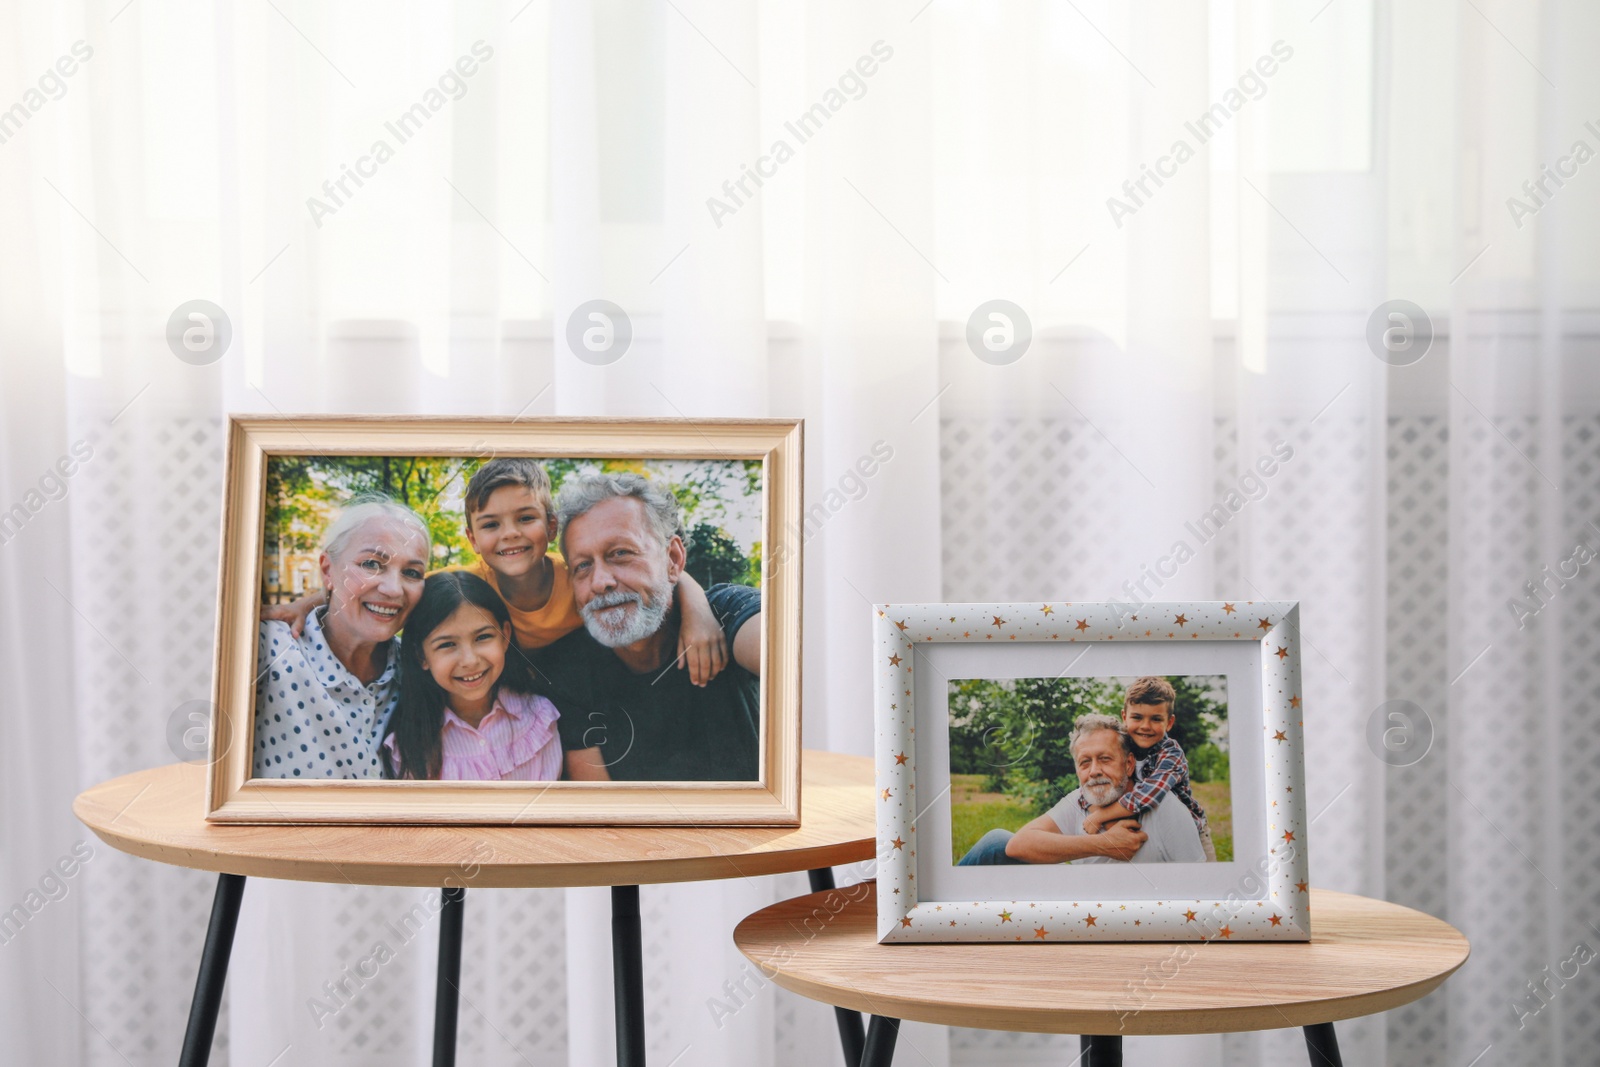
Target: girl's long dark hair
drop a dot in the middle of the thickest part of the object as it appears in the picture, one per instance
(419, 717)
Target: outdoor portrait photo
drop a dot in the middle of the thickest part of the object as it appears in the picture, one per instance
(1090, 770)
(509, 619)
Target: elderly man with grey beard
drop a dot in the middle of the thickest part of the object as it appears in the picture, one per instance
(634, 718)
(1104, 756)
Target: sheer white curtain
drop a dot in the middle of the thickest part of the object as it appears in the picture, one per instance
(800, 207)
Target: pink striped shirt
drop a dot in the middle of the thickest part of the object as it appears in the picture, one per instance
(515, 742)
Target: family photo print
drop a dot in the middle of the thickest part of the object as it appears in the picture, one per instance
(1059, 771)
(1111, 749)
(580, 621)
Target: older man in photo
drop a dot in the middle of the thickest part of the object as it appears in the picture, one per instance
(632, 717)
(1104, 756)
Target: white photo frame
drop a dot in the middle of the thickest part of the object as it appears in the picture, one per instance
(1262, 894)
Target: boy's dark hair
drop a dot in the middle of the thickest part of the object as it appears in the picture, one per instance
(499, 473)
(1152, 689)
(419, 716)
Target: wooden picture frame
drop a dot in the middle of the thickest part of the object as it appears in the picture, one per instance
(925, 895)
(233, 795)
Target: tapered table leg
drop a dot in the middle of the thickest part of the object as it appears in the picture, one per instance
(213, 971)
(879, 1049)
(852, 1033)
(1100, 1050)
(627, 974)
(447, 991)
(1322, 1044)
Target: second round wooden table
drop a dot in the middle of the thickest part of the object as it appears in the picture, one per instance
(1364, 956)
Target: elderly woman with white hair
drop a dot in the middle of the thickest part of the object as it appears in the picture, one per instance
(324, 697)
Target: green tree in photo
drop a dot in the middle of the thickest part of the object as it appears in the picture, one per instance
(1015, 731)
(752, 572)
(303, 493)
(714, 557)
(1022, 726)
(1207, 763)
(1198, 717)
(296, 507)
(433, 487)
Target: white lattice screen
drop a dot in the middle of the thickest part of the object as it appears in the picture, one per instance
(1029, 529)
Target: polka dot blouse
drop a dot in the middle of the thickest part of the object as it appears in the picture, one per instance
(314, 719)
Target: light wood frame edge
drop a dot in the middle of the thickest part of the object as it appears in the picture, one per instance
(232, 797)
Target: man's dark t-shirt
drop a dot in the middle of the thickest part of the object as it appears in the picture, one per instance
(658, 726)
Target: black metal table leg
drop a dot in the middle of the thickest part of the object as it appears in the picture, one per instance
(1100, 1050)
(627, 974)
(213, 971)
(879, 1048)
(1322, 1044)
(852, 1032)
(447, 991)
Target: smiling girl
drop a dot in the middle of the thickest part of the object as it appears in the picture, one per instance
(468, 710)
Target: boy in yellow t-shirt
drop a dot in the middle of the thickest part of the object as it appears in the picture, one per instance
(511, 522)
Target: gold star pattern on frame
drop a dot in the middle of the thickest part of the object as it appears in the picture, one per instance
(1277, 913)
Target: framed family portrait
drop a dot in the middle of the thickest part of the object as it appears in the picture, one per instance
(503, 621)
(1080, 772)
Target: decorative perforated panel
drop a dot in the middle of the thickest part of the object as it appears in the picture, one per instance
(1498, 838)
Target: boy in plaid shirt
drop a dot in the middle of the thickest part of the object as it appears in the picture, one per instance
(1147, 715)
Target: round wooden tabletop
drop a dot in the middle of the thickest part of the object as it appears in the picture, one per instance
(1364, 956)
(158, 814)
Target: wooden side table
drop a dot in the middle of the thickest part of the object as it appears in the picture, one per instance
(1364, 956)
(158, 814)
